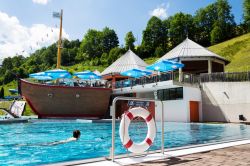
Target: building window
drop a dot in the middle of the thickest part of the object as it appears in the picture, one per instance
(170, 94)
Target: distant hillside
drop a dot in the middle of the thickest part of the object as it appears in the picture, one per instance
(237, 50)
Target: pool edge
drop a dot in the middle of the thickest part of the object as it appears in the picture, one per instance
(126, 159)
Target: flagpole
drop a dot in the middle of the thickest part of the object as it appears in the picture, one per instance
(59, 43)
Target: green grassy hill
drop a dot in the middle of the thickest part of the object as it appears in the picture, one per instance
(237, 50)
(79, 67)
(6, 87)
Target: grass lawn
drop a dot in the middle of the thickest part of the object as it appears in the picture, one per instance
(151, 60)
(237, 50)
(6, 104)
(6, 87)
(80, 67)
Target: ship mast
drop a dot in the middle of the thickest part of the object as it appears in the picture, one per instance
(58, 65)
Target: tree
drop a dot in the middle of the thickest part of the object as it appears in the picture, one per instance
(8, 76)
(21, 73)
(48, 57)
(246, 14)
(129, 41)
(225, 19)
(69, 51)
(204, 20)
(104, 59)
(41, 60)
(7, 64)
(91, 43)
(2, 93)
(81, 57)
(153, 36)
(159, 52)
(109, 40)
(240, 29)
(114, 54)
(95, 43)
(216, 35)
(181, 26)
(212, 17)
(17, 60)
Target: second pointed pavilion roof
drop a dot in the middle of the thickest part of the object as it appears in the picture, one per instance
(126, 62)
(190, 49)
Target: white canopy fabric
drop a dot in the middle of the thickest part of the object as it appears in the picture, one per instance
(97, 72)
(126, 62)
(190, 49)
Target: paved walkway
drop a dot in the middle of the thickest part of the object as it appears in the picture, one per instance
(232, 156)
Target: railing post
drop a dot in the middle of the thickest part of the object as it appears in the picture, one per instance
(162, 128)
(113, 131)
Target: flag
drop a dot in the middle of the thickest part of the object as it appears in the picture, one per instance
(56, 14)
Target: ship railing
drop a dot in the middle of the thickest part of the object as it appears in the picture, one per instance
(175, 76)
(75, 83)
(225, 77)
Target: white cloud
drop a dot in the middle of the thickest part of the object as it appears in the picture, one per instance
(41, 2)
(18, 39)
(160, 11)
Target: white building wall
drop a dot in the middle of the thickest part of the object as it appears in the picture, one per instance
(225, 101)
(193, 94)
(176, 110)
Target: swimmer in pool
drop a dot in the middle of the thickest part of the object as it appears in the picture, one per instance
(76, 136)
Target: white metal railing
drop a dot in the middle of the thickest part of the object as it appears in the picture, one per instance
(225, 77)
(175, 76)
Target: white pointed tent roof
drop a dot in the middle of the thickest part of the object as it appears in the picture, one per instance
(190, 49)
(126, 62)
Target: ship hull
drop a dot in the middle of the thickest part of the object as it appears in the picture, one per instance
(49, 101)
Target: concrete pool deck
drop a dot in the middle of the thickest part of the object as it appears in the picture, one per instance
(225, 153)
(10, 121)
(231, 156)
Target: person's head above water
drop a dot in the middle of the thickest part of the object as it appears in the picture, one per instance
(76, 134)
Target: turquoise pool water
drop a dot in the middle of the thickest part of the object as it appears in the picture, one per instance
(24, 144)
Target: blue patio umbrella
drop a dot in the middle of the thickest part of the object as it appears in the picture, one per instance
(43, 78)
(37, 74)
(58, 73)
(87, 75)
(165, 65)
(40, 76)
(135, 73)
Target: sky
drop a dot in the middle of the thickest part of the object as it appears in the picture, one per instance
(27, 25)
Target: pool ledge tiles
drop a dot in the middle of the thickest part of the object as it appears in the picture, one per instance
(167, 154)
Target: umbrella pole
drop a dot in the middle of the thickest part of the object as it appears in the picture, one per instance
(158, 77)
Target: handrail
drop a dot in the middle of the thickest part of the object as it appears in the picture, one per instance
(183, 78)
(225, 77)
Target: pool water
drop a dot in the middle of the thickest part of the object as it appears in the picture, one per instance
(25, 143)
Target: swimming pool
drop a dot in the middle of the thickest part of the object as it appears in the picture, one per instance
(24, 144)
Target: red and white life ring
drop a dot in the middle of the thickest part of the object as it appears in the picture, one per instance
(124, 126)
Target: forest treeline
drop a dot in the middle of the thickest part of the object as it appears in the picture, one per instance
(208, 26)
